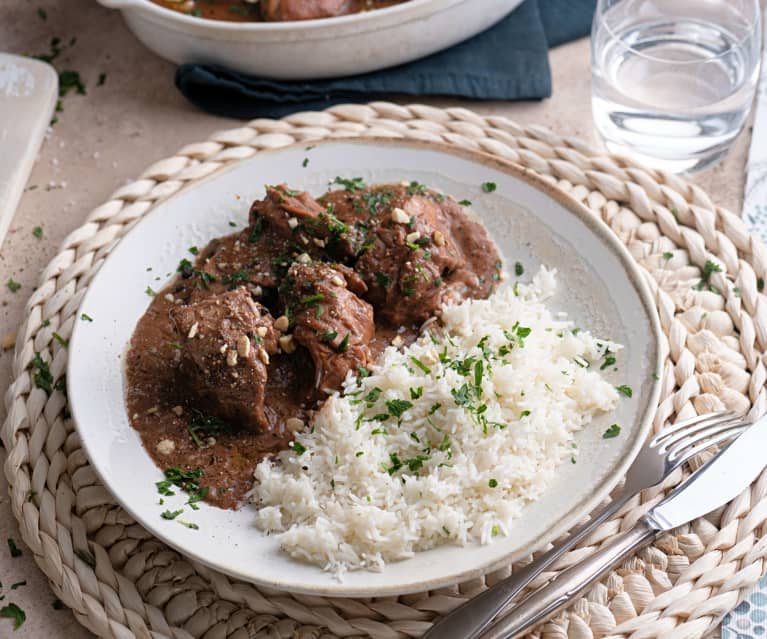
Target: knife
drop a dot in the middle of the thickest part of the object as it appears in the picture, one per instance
(722, 479)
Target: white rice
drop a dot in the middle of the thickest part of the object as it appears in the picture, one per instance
(360, 496)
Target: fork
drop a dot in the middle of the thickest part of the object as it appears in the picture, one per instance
(659, 457)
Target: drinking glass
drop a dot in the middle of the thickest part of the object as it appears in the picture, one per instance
(673, 80)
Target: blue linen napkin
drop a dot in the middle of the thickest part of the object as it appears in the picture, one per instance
(506, 62)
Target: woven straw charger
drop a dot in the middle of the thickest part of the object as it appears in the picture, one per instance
(121, 582)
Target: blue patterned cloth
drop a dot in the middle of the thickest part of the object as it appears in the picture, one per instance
(749, 619)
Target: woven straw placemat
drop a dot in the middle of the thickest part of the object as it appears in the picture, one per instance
(123, 583)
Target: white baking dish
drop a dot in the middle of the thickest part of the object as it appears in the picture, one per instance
(313, 49)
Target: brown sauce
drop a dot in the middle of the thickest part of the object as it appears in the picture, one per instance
(159, 402)
(242, 11)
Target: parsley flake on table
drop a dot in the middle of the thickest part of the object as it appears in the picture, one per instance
(12, 611)
(15, 550)
(625, 390)
(13, 285)
(519, 269)
(612, 432)
(86, 318)
(489, 187)
(38, 232)
(465, 202)
(492, 483)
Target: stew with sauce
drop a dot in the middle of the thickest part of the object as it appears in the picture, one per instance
(272, 10)
(245, 344)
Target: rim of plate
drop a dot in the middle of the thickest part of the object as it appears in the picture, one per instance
(644, 414)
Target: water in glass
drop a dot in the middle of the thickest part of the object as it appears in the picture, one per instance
(673, 80)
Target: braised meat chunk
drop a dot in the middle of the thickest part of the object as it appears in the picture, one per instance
(278, 10)
(330, 320)
(227, 340)
(313, 226)
(423, 253)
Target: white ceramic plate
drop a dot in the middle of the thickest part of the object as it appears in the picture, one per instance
(311, 49)
(600, 287)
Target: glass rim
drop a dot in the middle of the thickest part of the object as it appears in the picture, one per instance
(754, 26)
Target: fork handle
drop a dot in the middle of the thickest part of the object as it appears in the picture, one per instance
(471, 618)
(544, 603)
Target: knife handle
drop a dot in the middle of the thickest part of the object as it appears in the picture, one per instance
(548, 600)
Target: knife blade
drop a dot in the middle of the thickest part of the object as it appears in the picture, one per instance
(719, 481)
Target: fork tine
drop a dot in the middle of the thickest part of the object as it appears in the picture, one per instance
(669, 430)
(666, 438)
(686, 453)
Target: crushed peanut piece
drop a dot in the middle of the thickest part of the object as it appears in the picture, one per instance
(286, 343)
(304, 259)
(292, 222)
(412, 237)
(319, 242)
(193, 330)
(399, 216)
(263, 356)
(243, 346)
(282, 323)
(337, 280)
(165, 446)
(231, 358)
(439, 238)
(397, 341)
(293, 424)
(169, 297)
(178, 410)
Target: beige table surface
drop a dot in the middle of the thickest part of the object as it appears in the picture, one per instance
(109, 135)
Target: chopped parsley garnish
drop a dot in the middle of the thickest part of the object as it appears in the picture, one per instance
(298, 448)
(611, 432)
(60, 339)
(708, 270)
(608, 361)
(329, 336)
(235, 278)
(86, 318)
(362, 373)
(312, 300)
(416, 393)
(416, 188)
(203, 425)
(305, 163)
(194, 250)
(398, 406)
(188, 524)
(42, 374)
(344, 345)
(13, 285)
(12, 611)
(519, 269)
(353, 184)
(86, 557)
(382, 279)
(38, 232)
(668, 255)
(149, 291)
(625, 390)
(407, 291)
(256, 230)
(187, 481)
(185, 267)
(760, 284)
(102, 79)
(171, 514)
(420, 365)
(465, 203)
(15, 550)
(70, 81)
(524, 413)
(489, 187)
(492, 483)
